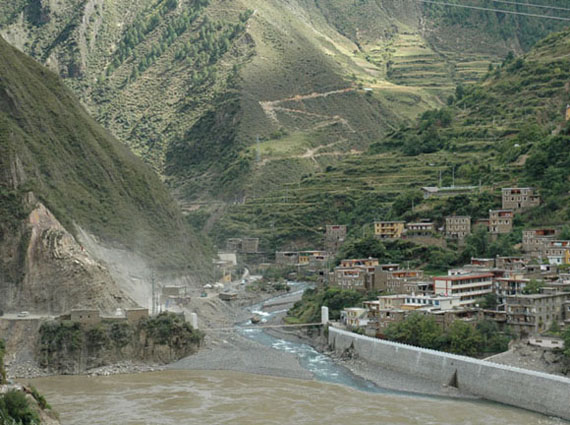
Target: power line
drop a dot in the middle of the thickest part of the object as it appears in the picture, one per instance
(541, 6)
(487, 9)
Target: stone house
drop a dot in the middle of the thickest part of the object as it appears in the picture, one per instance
(501, 221)
(534, 241)
(457, 227)
(87, 316)
(519, 198)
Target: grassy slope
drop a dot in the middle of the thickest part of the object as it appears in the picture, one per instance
(289, 49)
(81, 172)
(520, 103)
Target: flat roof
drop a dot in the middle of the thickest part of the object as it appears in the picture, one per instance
(463, 276)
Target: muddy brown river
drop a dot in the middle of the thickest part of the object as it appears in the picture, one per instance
(221, 397)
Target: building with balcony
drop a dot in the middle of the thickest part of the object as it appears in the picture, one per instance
(468, 287)
(531, 314)
(388, 229)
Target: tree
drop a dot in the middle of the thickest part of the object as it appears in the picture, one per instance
(533, 287)
(365, 247)
(488, 301)
(566, 338)
(464, 338)
(418, 330)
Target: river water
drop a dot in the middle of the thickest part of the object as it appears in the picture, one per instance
(336, 396)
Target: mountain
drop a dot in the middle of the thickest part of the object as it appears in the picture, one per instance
(228, 99)
(72, 196)
(510, 128)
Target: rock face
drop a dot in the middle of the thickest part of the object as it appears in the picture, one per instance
(64, 179)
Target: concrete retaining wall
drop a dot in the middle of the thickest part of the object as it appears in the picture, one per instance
(540, 392)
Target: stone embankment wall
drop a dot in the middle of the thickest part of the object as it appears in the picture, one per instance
(540, 392)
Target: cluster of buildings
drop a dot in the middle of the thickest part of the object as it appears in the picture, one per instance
(458, 295)
(500, 221)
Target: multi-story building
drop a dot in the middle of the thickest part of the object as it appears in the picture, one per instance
(534, 241)
(509, 286)
(535, 313)
(335, 235)
(557, 252)
(365, 262)
(314, 258)
(356, 278)
(356, 317)
(245, 245)
(388, 229)
(469, 287)
(457, 227)
(287, 258)
(511, 264)
(519, 198)
(500, 221)
(422, 228)
(397, 281)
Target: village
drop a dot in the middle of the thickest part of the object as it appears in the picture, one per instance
(524, 295)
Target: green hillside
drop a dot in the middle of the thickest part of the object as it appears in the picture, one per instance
(50, 146)
(191, 85)
(508, 129)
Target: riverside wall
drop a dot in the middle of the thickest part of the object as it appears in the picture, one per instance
(536, 391)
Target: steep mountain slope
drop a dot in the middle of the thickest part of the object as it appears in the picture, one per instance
(64, 176)
(509, 129)
(190, 85)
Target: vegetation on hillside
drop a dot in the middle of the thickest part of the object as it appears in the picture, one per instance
(80, 172)
(506, 130)
(308, 309)
(2, 370)
(67, 346)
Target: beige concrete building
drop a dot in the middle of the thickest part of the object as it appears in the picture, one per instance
(501, 221)
(469, 287)
(535, 313)
(457, 227)
(388, 229)
(519, 198)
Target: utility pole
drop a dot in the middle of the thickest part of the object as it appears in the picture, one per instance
(153, 284)
(453, 177)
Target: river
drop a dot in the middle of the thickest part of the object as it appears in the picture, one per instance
(336, 396)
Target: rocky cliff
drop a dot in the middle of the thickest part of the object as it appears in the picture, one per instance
(63, 180)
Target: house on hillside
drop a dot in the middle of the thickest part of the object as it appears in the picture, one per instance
(519, 198)
(388, 229)
(501, 221)
(457, 227)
